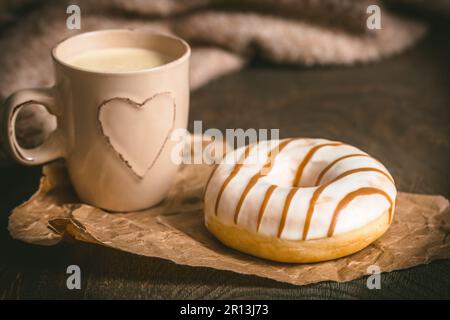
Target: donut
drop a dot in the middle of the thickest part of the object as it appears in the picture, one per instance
(299, 200)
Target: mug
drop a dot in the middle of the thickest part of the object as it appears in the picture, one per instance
(113, 129)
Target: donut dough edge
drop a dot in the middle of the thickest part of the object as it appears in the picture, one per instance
(298, 251)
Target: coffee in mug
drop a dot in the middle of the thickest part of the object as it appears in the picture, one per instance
(119, 59)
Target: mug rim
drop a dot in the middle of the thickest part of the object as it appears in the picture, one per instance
(170, 64)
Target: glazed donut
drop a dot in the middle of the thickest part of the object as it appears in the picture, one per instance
(299, 200)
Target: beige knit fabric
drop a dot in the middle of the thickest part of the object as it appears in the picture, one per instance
(225, 35)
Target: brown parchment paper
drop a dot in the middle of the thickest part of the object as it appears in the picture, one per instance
(174, 230)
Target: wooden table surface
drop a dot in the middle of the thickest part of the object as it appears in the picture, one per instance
(397, 110)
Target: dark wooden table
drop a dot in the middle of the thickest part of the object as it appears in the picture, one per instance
(397, 110)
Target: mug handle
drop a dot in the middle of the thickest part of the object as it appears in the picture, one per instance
(52, 147)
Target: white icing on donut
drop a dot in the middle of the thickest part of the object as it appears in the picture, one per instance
(298, 189)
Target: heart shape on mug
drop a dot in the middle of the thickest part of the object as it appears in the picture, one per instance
(138, 132)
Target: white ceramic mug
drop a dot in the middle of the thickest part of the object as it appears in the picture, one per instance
(113, 128)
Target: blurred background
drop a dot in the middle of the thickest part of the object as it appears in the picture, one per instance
(226, 36)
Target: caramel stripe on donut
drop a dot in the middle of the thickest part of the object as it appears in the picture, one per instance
(284, 213)
(327, 168)
(319, 190)
(263, 172)
(233, 173)
(266, 199)
(299, 173)
(209, 179)
(352, 195)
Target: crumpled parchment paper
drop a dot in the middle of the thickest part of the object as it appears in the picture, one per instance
(174, 230)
